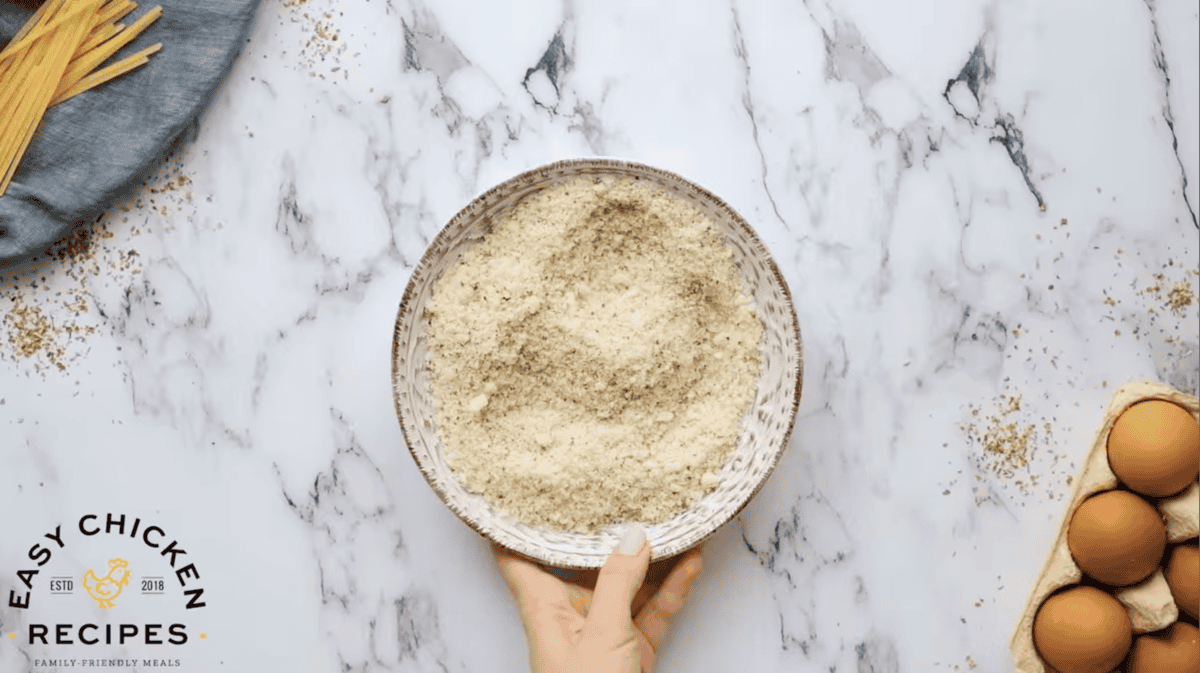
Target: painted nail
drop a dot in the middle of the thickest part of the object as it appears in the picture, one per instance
(632, 541)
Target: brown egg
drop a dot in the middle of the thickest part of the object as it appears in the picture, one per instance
(1175, 649)
(1182, 571)
(1154, 448)
(1117, 537)
(1082, 630)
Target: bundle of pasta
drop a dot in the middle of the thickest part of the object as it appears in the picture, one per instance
(57, 55)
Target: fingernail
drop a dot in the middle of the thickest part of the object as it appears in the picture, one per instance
(633, 540)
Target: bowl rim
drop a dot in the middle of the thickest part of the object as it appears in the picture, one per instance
(595, 162)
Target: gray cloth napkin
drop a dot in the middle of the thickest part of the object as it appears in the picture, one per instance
(91, 149)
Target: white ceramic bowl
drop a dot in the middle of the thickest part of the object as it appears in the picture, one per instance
(766, 425)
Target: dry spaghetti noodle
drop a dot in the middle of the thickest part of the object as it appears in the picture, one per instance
(57, 55)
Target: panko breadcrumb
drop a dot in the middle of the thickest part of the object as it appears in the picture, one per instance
(593, 357)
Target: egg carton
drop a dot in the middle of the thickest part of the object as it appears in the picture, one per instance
(1149, 603)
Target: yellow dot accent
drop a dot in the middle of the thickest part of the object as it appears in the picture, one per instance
(11, 636)
(203, 636)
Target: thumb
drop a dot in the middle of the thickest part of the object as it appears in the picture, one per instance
(619, 579)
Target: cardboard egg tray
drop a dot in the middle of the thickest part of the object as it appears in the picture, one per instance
(1150, 604)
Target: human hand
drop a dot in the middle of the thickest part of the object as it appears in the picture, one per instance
(616, 627)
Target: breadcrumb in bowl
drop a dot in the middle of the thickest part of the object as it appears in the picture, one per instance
(760, 438)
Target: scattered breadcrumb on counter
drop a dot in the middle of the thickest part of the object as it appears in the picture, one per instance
(324, 49)
(42, 316)
(1180, 297)
(1005, 442)
(48, 309)
(593, 357)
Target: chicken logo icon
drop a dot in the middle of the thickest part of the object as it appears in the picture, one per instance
(106, 589)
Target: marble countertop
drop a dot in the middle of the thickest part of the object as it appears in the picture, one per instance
(986, 213)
